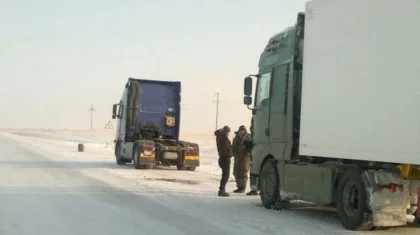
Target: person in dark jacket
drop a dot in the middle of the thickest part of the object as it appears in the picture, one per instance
(224, 148)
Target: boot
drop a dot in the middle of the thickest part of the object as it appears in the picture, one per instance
(223, 193)
(252, 193)
(238, 185)
(239, 190)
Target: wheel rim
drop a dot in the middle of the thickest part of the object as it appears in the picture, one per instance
(268, 185)
(351, 199)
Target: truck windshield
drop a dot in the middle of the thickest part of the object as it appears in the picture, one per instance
(263, 89)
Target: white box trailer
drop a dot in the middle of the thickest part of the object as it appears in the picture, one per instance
(335, 118)
(361, 80)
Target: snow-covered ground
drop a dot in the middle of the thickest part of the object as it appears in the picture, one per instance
(46, 165)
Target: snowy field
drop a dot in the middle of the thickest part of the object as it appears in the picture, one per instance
(178, 196)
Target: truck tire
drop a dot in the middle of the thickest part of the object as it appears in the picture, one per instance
(136, 160)
(269, 186)
(352, 202)
(118, 158)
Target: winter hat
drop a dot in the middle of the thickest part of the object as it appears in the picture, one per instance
(226, 129)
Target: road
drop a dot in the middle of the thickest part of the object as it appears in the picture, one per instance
(38, 196)
(43, 192)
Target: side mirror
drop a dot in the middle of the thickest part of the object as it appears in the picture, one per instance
(247, 100)
(248, 86)
(114, 111)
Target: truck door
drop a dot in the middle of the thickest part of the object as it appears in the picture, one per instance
(120, 121)
(277, 121)
(262, 107)
(122, 116)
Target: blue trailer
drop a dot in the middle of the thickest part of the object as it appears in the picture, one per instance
(148, 126)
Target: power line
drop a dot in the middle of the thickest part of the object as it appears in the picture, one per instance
(217, 108)
(91, 115)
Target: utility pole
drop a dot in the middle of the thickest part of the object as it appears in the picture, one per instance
(91, 110)
(217, 107)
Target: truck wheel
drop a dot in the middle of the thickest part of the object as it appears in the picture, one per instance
(136, 160)
(118, 158)
(352, 202)
(269, 186)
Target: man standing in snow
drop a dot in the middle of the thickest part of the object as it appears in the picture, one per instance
(242, 156)
(224, 148)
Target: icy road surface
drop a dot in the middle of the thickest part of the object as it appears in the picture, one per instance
(47, 187)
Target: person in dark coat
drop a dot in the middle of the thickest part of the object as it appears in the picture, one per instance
(224, 148)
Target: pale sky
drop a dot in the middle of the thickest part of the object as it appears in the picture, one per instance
(58, 57)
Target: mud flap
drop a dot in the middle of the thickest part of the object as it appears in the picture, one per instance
(388, 208)
(145, 157)
(189, 160)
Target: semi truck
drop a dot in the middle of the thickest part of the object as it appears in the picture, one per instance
(148, 126)
(335, 114)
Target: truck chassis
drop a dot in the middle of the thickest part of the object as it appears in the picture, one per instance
(144, 154)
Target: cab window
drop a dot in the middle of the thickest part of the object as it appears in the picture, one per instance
(263, 89)
(120, 110)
